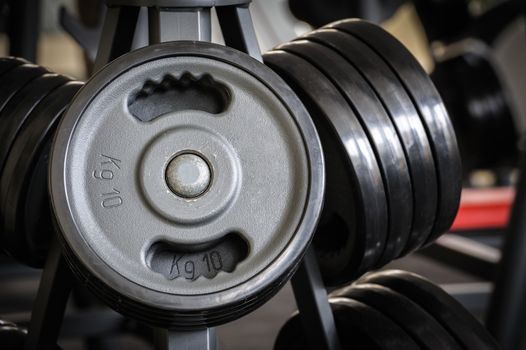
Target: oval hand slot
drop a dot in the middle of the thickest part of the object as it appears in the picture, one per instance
(193, 261)
(173, 94)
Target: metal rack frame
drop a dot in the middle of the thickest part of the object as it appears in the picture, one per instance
(192, 20)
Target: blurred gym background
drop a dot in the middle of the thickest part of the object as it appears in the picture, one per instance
(465, 262)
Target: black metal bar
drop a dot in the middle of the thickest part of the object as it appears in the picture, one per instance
(313, 304)
(204, 339)
(87, 38)
(169, 24)
(506, 317)
(23, 28)
(50, 304)
(238, 29)
(117, 34)
(464, 254)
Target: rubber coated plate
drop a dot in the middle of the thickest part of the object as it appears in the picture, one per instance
(380, 329)
(420, 325)
(13, 337)
(15, 79)
(23, 185)
(381, 133)
(127, 139)
(358, 325)
(292, 335)
(467, 78)
(431, 109)
(215, 317)
(468, 332)
(388, 89)
(8, 63)
(13, 116)
(353, 228)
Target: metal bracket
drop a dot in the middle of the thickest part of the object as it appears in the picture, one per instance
(204, 339)
(179, 24)
(175, 20)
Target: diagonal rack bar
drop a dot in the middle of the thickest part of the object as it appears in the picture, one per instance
(50, 304)
(311, 297)
(505, 315)
(171, 20)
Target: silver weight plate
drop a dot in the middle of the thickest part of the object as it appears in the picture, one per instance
(186, 177)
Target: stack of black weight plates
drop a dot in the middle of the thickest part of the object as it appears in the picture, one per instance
(392, 162)
(32, 100)
(396, 310)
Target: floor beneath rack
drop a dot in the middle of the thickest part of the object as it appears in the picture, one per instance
(256, 331)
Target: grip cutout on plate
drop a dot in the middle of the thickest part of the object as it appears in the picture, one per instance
(173, 94)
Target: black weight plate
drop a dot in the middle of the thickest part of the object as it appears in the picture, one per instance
(420, 325)
(122, 304)
(12, 337)
(353, 229)
(431, 109)
(447, 311)
(382, 136)
(379, 328)
(8, 63)
(4, 323)
(359, 327)
(399, 106)
(479, 107)
(23, 186)
(15, 79)
(292, 335)
(14, 114)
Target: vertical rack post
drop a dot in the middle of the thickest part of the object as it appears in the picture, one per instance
(179, 24)
(204, 339)
(23, 28)
(507, 311)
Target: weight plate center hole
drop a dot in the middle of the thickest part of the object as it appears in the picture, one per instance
(188, 175)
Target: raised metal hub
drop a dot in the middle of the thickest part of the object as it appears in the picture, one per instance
(188, 175)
